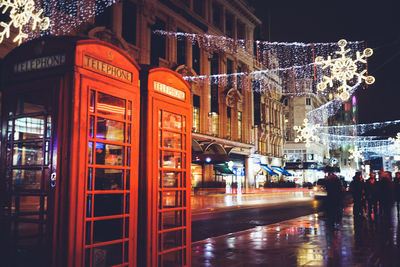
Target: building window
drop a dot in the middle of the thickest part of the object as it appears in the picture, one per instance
(196, 113)
(196, 57)
(239, 79)
(229, 70)
(181, 49)
(129, 15)
(185, 2)
(285, 102)
(214, 68)
(229, 24)
(240, 125)
(199, 7)
(105, 17)
(217, 15)
(229, 123)
(241, 30)
(256, 101)
(215, 123)
(158, 42)
(308, 101)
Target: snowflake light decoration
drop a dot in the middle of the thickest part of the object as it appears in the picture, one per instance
(22, 14)
(306, 133)
(396, 142)
(344, 69)
(356, 154)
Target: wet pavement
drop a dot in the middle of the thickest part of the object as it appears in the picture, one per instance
(215, 202)
(319, 239)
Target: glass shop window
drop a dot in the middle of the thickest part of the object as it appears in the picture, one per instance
(196, 113)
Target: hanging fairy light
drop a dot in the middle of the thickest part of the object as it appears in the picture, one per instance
(356, 154)
(306, 133)
(344, 69)
(23, 17)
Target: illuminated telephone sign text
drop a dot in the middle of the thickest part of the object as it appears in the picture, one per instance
(39, 63)
(105, 68)
(168, 90)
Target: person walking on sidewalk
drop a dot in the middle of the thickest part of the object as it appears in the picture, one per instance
(357, 190)
(386, 192)
(397, 191)
(372, 193)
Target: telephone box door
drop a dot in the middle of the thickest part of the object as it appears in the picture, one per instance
(30, 172)
(167, 175)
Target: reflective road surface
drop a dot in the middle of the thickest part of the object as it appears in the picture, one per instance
(319, 239)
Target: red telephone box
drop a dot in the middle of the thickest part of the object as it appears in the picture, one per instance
(165, 169)
(69, 154)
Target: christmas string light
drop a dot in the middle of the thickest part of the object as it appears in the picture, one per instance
(321, 114)
(67, 16)
(357, 128)
(396, 142)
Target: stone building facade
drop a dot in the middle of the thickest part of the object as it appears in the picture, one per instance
(224, 126)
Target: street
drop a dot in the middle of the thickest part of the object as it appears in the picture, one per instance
(218, 223)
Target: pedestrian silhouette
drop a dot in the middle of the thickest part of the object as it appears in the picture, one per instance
(357, 190)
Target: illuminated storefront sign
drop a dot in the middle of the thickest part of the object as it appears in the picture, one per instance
(105, 68)
(39, 63)
(168, 90)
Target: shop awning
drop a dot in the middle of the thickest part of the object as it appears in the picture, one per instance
(283, 171)
(222, 168)
(268, 170)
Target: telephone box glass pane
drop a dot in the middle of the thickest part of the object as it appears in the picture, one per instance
(28, 154)
(29, 128)
(32, 103)
(171, 121)
(171, 199)
(108, 204)
(26, 179)
(110, 105)
(109, 255)
(172, 140)
(171, 179)
(172, 219)
(110, 130)
(107, 230)
(109, 179)
(109, 154)
(172, 239)
(172, 160)
(173, 258)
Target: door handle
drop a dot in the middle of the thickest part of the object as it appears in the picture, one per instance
(53, 179)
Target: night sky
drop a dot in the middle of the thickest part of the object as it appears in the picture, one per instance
(376, 22)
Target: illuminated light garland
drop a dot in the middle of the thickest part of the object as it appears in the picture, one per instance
(67, 16)
(306, 133)
(344, 69)
(357, 128)
(321, 114)
(356, 154)
(23, 16)
(396, 142)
